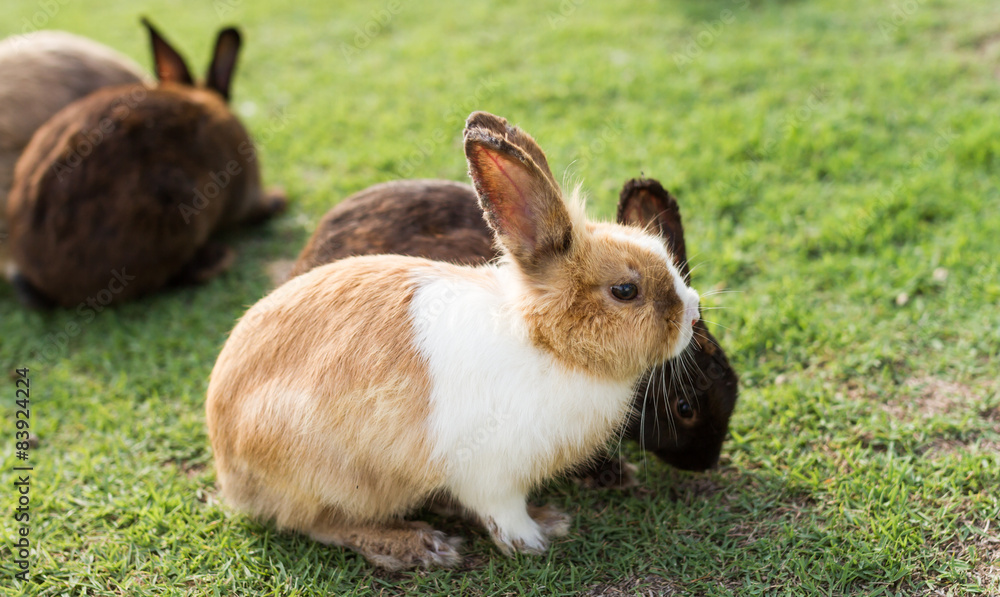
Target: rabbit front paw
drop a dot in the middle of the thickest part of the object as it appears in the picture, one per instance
(529, 539)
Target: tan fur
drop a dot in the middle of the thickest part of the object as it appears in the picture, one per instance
(574, 316)
(340, 335)
(40, 73)
(568, 263)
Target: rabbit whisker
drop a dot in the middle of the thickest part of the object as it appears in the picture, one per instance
(715, 292)
(716, 323)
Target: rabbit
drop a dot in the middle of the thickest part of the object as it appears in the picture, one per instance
(120, 191)
(682, 411)
(436, 219)
(40, 72)
(373, 385)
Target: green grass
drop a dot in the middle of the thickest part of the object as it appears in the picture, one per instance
(837, 166)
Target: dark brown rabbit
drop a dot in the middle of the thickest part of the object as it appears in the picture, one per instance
(40, 73)
(681, 412)
(435, 219)
(118, 194)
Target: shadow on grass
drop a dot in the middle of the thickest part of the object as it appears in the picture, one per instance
(49, 336)
(675, 526)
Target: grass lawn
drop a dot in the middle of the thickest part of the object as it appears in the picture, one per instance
(838, 166)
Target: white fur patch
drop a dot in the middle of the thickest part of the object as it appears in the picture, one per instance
(501, 408)
(651, 243)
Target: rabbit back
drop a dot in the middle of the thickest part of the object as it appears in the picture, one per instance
(40, 73)
(127, 179)
(319, 400)
(436, 219)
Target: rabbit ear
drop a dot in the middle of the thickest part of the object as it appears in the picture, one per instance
(644, 202)
(170, 66)
(522, 203)
(220, 72)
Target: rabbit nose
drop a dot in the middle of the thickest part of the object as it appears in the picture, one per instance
(691, 313)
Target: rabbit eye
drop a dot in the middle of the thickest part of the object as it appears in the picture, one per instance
(684, 409)
(624, 292)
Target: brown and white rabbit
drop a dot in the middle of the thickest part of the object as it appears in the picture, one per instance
(40, 73)
(358, 391)
(682, 410)
(121, 190)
